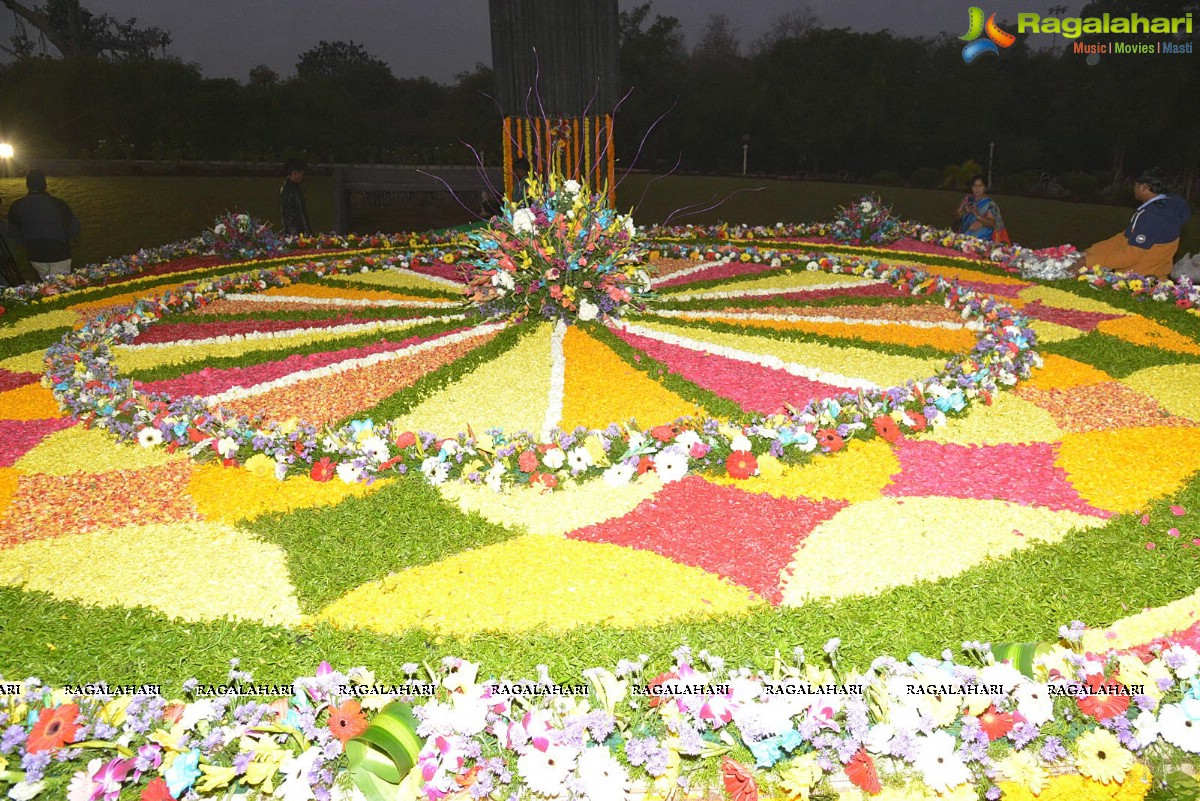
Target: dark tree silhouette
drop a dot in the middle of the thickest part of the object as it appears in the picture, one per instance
(76, 32)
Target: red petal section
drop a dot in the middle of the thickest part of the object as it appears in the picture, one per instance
(1083, 320)
(745, 537)
(18, 437)
(10, 380)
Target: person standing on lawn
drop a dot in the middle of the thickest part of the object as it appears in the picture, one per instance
(45, 225)
(291, 199)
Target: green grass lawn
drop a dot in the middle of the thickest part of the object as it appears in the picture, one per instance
(121, 214)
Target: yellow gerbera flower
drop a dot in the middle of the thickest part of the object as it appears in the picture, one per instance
(1100, 756)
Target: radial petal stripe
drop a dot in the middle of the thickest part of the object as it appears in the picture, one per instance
(362, 303)
(558, 368)
(383, 324)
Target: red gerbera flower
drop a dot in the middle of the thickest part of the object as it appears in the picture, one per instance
(54, 728)
(347, 721)
(996, 724)
(741, 464)
(830, 440)
(156, 791)
(645, 463)
(1104, 699)
(323, 470)
(739, 782)
(860, 770)
(886, 427)
(658, 681)
(919, 423)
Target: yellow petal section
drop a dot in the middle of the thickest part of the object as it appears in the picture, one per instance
(89, 450)
(858, 473)
(601, 388)
(87, 308)
(1068, 300)
(147, 358)
(40, 322)
(871, 546)
(229, 494)
(884, 369)
(1008, 419)
(570, 507)
(321, 291)
(1140, 331)
(1053, 332)
(194, 571)
(32, 362)
(1173, 386)
(1121, 470)
(782, 281)
(394, 279)
(509, 392)
(951, 340)
(1144, 626)
(546, 584)
(1059, 372)
(30, 402)
(8, 487)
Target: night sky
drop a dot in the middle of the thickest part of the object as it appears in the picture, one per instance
(440, 38)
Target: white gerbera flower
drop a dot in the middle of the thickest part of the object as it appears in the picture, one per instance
(375, 447)
(601, 776)
(545, 772)
(149, 437)
(939, 763)
(1178, 729)
(671, 466)
(687, 438)
(348, 473)
(579, 458)
(619, 474)
(554, 458)
(523, 221)
(436, 471)
(1034, 703)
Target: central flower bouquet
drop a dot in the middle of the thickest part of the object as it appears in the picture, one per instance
(561, 254)
(240, 236)
(866, 222)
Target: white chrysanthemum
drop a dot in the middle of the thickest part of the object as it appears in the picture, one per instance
(619, 474)
(671, 466)
(1178, 729)
(571, 186)
(740, 443)
(1146, 728)
(523, 221)
(227, 447)
(495, 478)
(554, 458)
(630, 228)
(601, 777)
(939, 764)
(295, 785)
(504, 280)
(587, 310)
(149, 437)
(579, 458)
(865, 207)
(546, 772)
(879, 738)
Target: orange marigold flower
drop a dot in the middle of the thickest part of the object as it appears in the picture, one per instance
(54, 728)
(347, 721)
(741, 464)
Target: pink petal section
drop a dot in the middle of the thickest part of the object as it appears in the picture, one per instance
(18, 437)
(10, 380)
(1083, 320)
(1024, 474)
(753, 387)
(175, 332)
(211, 381)
(745, 537)
(1001, 290)
(849, 291)
(440, 269)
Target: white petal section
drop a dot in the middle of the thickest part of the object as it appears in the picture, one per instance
(335, 330)
(708, 314)
(558, 372)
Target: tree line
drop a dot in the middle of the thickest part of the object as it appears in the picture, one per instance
(801, 100)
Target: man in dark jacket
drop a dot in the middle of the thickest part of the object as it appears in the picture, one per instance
(291, 199)
(1147, 245)
(45, 225)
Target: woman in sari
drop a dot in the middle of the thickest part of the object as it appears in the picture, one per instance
(978, 215)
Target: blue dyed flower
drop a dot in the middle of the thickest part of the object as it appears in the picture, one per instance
(183, 772)
(766, 752)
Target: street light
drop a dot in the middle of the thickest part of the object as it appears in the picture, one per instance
(745, 151)
(6, 154)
